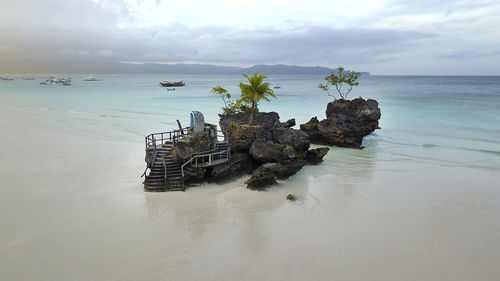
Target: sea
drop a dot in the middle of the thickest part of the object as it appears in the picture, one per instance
(448, 120)
(420, 201)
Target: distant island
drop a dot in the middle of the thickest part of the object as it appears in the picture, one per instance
(181, 68)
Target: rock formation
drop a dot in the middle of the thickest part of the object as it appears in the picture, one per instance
(270, 150)
(346, 123)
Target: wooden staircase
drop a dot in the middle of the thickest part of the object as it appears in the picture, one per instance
(165, 174)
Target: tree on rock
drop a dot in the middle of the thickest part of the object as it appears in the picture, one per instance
(254, 91)
(226, 98)
(341, 79)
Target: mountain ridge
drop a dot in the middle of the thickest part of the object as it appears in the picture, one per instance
(183, 68)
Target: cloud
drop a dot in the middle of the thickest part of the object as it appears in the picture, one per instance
(470, 54)
(93, 36)
(321, 45)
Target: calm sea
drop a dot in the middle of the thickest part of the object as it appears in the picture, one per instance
(442, 120)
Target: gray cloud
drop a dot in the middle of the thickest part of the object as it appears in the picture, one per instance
(321, 45)
(461, 55)
(85, 36)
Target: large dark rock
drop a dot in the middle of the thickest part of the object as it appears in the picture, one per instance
(260, 181)
(267, 151)
(315, 156)
(288, 168)
(242, 136)
(238, 164)
(311, 128)
(266, 174)
(346, 124)
(291, 137)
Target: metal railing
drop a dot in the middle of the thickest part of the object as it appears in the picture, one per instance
(152, 141)
(155, 139)
(164, 169)
(207, 157)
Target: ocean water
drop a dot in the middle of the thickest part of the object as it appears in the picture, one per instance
(420, 202)
(448, 120)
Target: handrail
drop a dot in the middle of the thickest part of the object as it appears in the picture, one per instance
(204, 155)
(165, 169)
(151, 140)
(216, 146)
(150, 162)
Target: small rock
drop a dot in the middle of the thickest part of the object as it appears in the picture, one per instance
(291, 197)
(315, 156)
(261, 181)
(288, 124)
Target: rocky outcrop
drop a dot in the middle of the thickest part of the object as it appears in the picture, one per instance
(315, 156)
(311, 128)
(268, 151)
(288, 124)
(294, 138)
(240, 163)
(261, 181)
(241, 137)
(346, 123)
(267, 174)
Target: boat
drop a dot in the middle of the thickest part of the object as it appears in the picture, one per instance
(91, 78)
(6, 78)
(172, 83)
(277, 85)
(56, 81)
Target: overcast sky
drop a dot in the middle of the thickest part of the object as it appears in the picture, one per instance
(379, 36)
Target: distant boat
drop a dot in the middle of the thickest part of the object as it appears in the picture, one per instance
(91, 78)
(56, 81)
(6, 78)
(277, 85)
(172, 83)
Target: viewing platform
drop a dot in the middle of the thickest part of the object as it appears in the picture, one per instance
(168, 168)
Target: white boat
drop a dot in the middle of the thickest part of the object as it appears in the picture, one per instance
(91, 78)
(277, 85)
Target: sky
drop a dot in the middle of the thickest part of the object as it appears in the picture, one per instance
(407, 37)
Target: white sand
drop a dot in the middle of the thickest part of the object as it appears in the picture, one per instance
(72, 208)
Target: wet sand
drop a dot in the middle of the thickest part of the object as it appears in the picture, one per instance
(72, 208)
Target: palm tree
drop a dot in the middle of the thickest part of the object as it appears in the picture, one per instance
(254, 92)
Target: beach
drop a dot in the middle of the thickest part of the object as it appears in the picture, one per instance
(420, 202)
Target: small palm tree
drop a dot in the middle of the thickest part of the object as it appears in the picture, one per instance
(254, 92)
